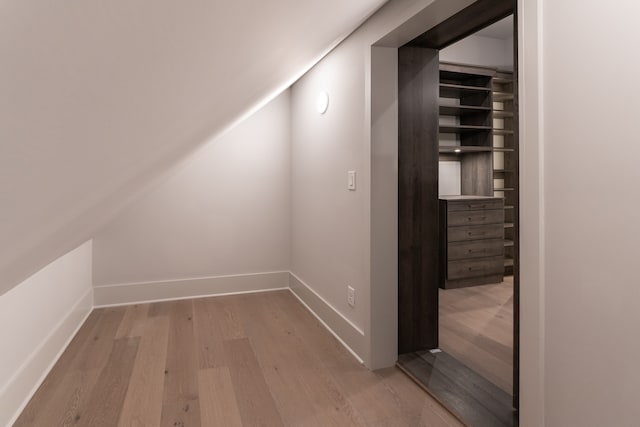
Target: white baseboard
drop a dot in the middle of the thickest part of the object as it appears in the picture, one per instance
(340, 327)
(25, 382)
(134, 293)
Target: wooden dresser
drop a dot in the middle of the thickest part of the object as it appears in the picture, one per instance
(471, 241)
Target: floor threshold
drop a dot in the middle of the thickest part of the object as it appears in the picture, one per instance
(474, 400)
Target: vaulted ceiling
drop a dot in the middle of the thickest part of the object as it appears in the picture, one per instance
(98, 98)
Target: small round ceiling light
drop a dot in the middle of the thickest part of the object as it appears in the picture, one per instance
(322, 103)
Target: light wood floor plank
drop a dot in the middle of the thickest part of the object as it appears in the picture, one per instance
(227, 309)
(218, 406)
(143, 403)
(208, 333)
(133, 321)
(107, 397)
(305, 392)
(254, 399)
(46, 402)
(70, 397)
(180, 405)
(161, 308)
(98, 348)
(71, 381)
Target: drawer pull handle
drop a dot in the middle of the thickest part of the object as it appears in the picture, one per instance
(482, 218)
(477, 251)
(482, 206)
(480, 233)
(476, 268)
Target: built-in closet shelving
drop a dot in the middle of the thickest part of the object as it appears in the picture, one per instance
(505, 176)
(471, 221)
(466, 125)
(476, 127)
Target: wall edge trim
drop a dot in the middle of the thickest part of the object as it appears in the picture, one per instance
(173, 290)
(43, 358)
(347, 334)
(185, 279)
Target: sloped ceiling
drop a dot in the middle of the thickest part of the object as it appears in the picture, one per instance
(99, 97)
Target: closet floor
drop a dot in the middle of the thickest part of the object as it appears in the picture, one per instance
(476, 328)
(471, 371)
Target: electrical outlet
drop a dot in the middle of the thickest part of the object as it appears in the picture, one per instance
(351, 296)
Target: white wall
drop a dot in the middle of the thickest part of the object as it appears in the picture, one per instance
(331, 226)
(449, 178)
(226, 212)
(37, 319)
(480, 51)
(592, 197)
(327, 227)
(98, 100)
(383, 218)
(531, 150)
(579, 284)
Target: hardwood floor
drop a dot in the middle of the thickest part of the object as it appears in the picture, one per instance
(245, 360)
(476, 327)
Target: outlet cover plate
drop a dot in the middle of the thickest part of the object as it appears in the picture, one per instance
(351, 296)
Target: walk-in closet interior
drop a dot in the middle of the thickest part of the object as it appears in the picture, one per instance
(458, 132)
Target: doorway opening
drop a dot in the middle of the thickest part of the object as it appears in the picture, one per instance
(458, 238)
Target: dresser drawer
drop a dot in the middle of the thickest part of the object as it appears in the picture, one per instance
(475, 232)
(475, 204)
(486, 216)
(475, 249)
(475, 268)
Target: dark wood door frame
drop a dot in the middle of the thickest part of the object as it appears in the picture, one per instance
(418, 255)
(418, 85)
(469, 20)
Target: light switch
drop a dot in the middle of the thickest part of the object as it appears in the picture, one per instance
(351, 180)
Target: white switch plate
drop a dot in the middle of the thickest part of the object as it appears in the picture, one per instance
(351, 296)
(351, 180)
